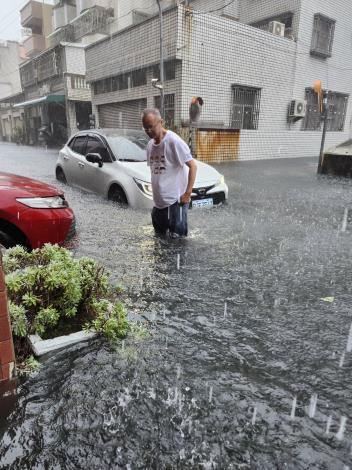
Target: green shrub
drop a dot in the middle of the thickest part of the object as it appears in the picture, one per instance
(52, 293)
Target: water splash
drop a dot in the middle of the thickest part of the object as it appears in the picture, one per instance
(340, 433)
(349, 340)
(225, 310)
(178, 371)
(328, 425)
(210, 399)
(344, 220)
(254, 417)
(293, 409)
(312, 405)
(342, 359)
(178, 260)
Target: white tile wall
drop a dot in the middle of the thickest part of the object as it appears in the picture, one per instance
(217, 52)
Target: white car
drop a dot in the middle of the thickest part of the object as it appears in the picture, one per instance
(113, 163)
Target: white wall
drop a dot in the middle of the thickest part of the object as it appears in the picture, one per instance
(75, 59)
(9, 68)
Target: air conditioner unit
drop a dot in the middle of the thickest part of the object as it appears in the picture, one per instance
(277, 28)
(297, 109)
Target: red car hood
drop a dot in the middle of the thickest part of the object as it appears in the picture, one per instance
(26, 187)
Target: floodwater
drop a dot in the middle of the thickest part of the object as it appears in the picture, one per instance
(246, 367)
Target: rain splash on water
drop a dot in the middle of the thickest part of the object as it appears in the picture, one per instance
(246, 367)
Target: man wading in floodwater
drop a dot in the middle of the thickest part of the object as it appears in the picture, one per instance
(173, 172)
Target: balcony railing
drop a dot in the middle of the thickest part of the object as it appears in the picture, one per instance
(91, 21)
(32, 15)
(46, 65)
(64, 34)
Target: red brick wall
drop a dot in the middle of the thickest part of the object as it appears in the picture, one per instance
(7, 354)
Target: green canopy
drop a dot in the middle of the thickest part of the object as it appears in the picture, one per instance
(42, 99)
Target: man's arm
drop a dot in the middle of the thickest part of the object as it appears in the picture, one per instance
(186, 197)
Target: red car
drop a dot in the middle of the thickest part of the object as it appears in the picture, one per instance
(33, 213)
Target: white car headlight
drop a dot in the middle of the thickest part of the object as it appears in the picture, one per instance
(221, 180)
(144, 186)
(52, 202)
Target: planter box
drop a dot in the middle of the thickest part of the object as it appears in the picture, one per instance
(42, 346)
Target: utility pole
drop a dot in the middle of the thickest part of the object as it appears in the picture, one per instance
(323, 98)
(325, 95)
(161, 85)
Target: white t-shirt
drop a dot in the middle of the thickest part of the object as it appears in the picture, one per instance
(168, 169)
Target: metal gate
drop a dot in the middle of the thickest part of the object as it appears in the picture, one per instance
(124, 115)
(216, 146)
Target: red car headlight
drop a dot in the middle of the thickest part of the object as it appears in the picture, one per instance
(51, 202)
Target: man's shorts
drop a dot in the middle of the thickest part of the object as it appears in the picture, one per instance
(172, 218)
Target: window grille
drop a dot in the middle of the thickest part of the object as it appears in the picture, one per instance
(48, 65)
(246, 106)
(28, 74)
(169, 109)
(337, 107)
(337, 103)
(323, 36)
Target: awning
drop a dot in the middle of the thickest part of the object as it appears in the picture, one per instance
(42, 99)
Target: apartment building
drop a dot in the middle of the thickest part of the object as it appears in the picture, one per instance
(56, 94)
(36, 16)
(253, 63)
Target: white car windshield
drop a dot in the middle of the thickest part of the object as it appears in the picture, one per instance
(129, 148)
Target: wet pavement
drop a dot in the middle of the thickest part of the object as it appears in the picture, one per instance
(246, 366)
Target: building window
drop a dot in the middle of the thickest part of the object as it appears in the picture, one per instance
(323, 36)
(337, 107)
(169, 109)
(121, 82)
(139, 77)
(169, 70)
(245, 109)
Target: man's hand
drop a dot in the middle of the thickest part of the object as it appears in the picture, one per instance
(185, 198)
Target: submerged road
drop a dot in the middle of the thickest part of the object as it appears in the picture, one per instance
(246, 366)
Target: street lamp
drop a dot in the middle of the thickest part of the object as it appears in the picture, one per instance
(160, 85)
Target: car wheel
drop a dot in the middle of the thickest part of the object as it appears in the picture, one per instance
(60, 175)
(117, 194)
(6, 241)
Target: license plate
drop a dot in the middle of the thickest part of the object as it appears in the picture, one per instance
(202, 202)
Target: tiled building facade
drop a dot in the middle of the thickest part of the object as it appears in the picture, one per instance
(246, 72)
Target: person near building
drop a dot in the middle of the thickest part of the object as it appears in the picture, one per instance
(173, 172)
